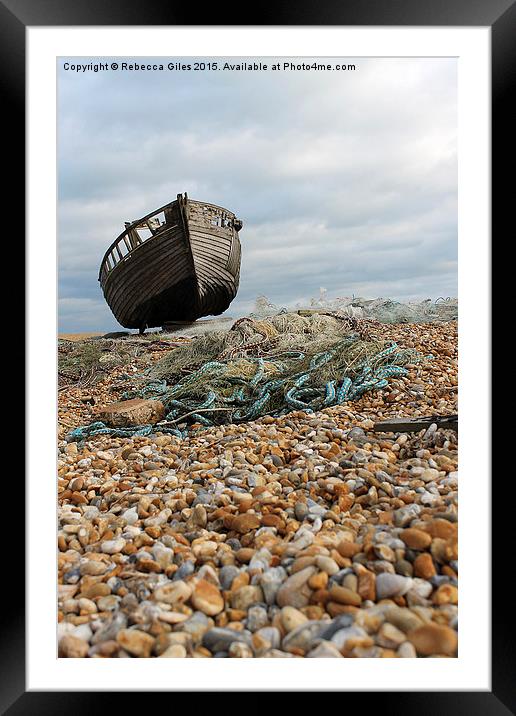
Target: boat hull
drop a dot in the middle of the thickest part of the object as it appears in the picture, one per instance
(189, 268)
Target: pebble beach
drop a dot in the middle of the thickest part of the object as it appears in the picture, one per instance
(309, 535)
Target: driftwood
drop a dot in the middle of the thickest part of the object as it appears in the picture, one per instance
(414, 425)
(178, 263)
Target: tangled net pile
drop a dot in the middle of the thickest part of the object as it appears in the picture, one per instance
(265, 367)
(85, 363)
(384, 310)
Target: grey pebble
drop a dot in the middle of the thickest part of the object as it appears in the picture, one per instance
(72, 576)
(404, 515)
(256, 618)
(234, 544)
(226, 576)
(340, 622)
(392, 585)
(197, 625)
(438, 579)
(110, 629)
(220, 639)
(303, 635)
(301, 511)
(340, 638)
(270, 582)
(184, 570)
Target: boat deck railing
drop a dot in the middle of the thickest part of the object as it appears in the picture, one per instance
(130, 239)
(155, 223)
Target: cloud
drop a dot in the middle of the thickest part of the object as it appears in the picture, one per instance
(343, 180)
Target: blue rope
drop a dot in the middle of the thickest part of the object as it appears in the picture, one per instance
(252, 398)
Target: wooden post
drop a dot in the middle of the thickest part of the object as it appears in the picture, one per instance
(414, 425)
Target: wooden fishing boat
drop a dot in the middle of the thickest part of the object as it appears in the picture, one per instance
(178, 263)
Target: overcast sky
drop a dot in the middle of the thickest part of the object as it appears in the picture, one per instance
(344, 180)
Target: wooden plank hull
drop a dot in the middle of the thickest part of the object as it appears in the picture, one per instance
(187, 268)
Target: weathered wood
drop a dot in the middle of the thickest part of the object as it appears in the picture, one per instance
(189, 267)
(414, 425)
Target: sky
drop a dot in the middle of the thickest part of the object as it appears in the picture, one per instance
(344, 180)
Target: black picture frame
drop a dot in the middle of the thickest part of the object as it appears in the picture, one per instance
(500, 16)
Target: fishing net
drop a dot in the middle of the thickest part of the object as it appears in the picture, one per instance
(271, 366)
(384, 310)
(253, 338)
(85, 363)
